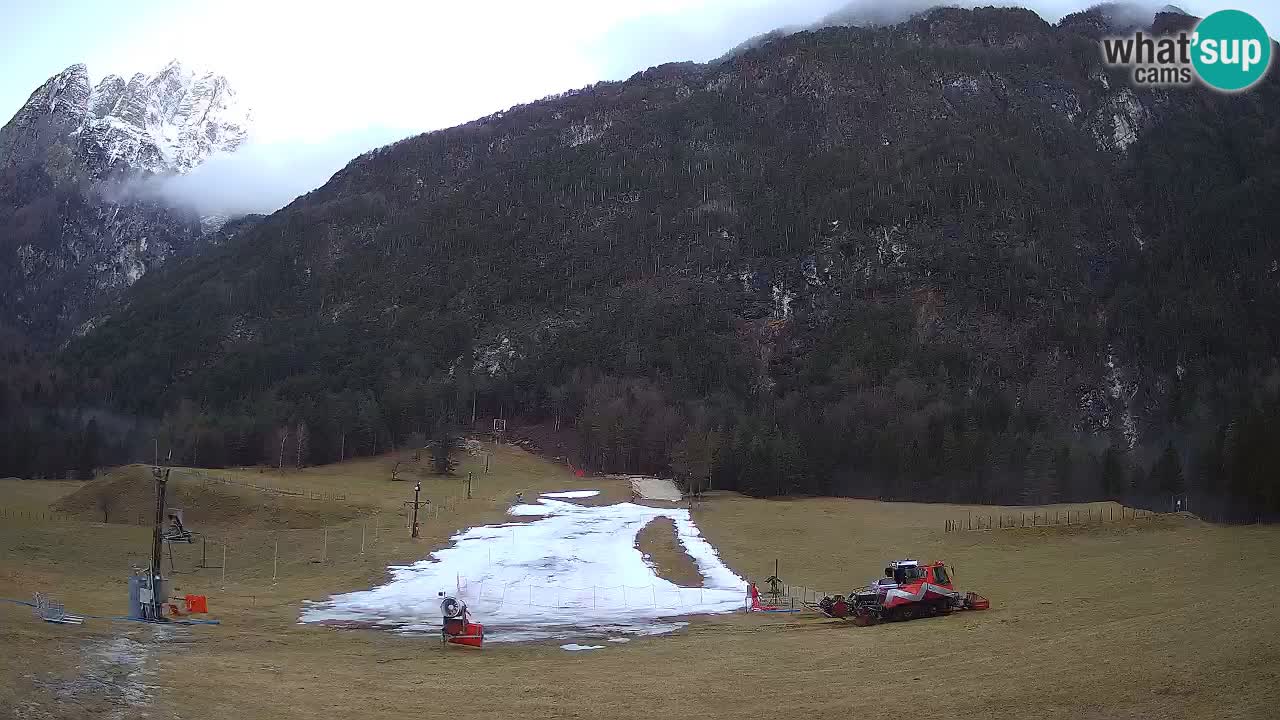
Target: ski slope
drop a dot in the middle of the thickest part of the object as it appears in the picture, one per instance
(573, 572)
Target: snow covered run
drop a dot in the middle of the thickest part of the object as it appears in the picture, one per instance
(574, 572)
(571, 494)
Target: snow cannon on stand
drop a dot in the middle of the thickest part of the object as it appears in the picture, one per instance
(457, 628)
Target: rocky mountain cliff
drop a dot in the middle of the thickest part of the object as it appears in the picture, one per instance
(954, 258)
(74, 230)
(167, 122)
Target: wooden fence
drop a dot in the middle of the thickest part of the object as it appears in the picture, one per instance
(1047, 518)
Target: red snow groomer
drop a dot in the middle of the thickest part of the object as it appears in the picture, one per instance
(907, 591)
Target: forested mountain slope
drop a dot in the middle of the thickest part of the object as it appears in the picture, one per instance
(952, 259)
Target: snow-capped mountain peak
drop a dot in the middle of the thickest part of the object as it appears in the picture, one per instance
(75, 226)
(167, 122)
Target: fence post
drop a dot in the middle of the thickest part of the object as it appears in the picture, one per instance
(224, 563)
(275, 560)
(362, 529)
(324, 550)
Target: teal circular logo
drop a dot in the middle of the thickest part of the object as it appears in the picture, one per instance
(1231, 50)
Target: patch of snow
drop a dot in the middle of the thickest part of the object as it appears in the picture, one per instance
(619, 640)
(575, 570)
(964, 84)
(782, 302)
(652, 488)
(575, 647)
(168, 122)
(213, 223)
(571, 494)
(529, 510)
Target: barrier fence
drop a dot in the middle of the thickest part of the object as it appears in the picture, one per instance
(257, 558)
(38, 516)
(1047, 518)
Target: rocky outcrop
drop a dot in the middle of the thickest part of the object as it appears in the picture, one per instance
(57, 109)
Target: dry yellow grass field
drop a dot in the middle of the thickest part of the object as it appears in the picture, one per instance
(28, 496)
(1161, 618)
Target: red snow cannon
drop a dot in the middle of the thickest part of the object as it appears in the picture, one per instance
(457, 628)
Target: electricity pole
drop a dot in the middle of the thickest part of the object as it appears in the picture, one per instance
(417, 487)
(157, 540)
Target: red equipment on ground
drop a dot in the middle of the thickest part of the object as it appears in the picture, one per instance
(756, 606)
(908, 590)
(458, 628)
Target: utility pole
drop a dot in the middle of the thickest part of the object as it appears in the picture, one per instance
(417, 488)
(157, 541)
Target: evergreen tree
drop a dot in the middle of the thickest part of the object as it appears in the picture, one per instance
(90, 448)
(443, 444)
(1166, 474)
(1113, 474)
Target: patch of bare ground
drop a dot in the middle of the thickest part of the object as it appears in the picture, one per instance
(661, 546)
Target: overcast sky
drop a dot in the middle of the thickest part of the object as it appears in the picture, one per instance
(367, 72)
